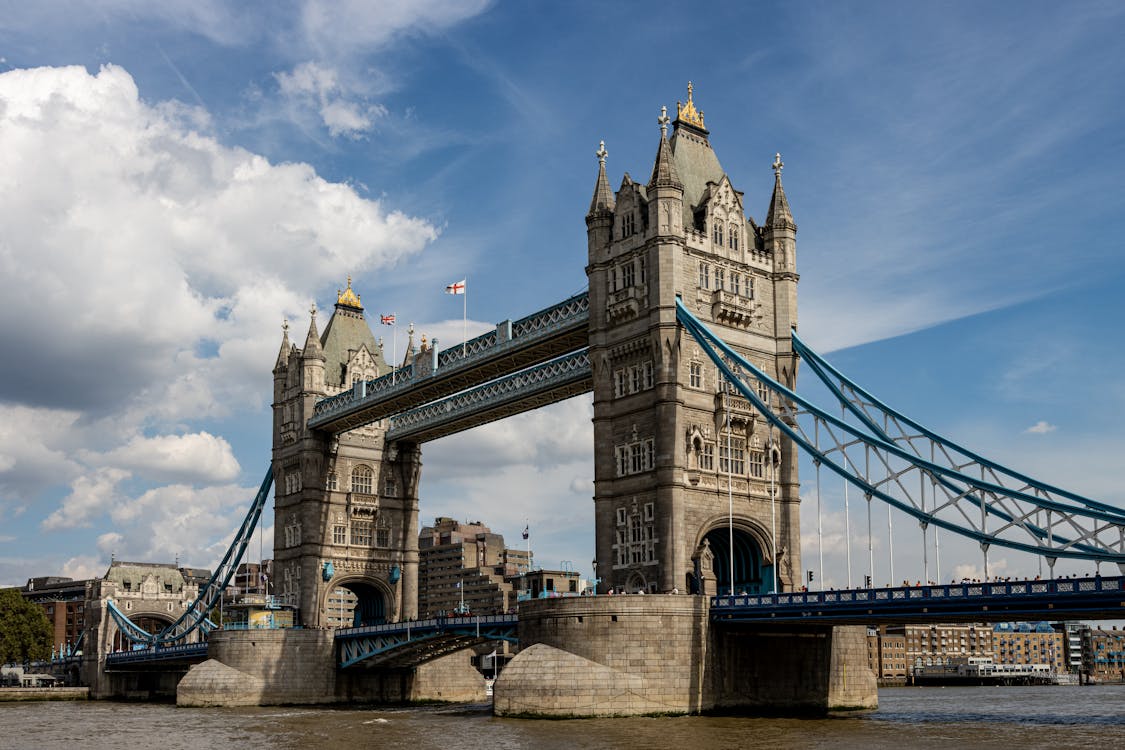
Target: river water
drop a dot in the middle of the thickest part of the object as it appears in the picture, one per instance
(908, 719)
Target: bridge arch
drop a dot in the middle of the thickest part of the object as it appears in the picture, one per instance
(753, 555)
(152, 622)
(374, 601)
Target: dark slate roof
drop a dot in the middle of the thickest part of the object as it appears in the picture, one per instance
(346, 332)
(696, 164)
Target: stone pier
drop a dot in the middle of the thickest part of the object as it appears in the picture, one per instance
(661, 654)
(298, 667)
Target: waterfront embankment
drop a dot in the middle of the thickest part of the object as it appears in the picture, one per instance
(16, 694)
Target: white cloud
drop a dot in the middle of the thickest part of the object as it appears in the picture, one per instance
(1041, 428)
(199, 456)
(90, 496)
(316, 85)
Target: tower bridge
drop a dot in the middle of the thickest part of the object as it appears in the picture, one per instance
(686, 340)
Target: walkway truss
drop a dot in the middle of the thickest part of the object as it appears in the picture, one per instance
(894, 459)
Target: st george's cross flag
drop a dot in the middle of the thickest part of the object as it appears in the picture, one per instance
(457, 287)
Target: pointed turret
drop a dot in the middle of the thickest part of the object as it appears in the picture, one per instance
(664, 172)
(603, 196)
(283, 355)
(313, 349)
(665, 189)
(408, 359)
(779, 216)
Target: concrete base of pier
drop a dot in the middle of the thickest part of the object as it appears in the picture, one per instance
(658, 654)
(298, 667)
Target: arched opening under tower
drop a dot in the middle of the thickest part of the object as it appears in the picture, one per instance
(354, 604)
(751, 574)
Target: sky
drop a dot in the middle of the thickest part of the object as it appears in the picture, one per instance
(179, 178)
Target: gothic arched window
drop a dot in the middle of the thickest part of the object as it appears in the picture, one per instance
(362, 477)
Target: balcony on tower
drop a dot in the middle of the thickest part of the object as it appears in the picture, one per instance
(626, 303)
(732, 309)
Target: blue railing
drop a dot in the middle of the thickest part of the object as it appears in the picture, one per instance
(1055, 596)
(160, 653)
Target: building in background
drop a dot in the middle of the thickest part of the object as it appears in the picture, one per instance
(1029, 643)
(1103, 654)
(466, 567)
(886, 654)
(928, 645)
(63, 601)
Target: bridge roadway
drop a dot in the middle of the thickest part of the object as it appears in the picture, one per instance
(1057, 599)
(406, 644)
(547, 334)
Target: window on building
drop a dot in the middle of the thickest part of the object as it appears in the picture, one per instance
(704, 276)
(627, 275)
(620, 383)
(720, 278)
(644, 269)
(332, 480)
(717, 234)
(750, 287)
(732, 458)
(733, 237)
(636, 460)
(382, 533)
(707, 457)
(646, 374)
(620, 516)
(635, 378)
(695, 375)
(649, 511)
(736, 283)
(362, 477)
(339, 534)
(650, 454)
(757, 463)
(628, 224)
(613, 279)
(622, 453)
(390, 488)
(361, 533)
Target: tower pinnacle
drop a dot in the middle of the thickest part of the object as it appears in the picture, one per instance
(603, 196)
(779, 214)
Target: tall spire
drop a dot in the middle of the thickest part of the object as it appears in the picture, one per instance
(313, 349)
(664, 170)
(603, 196)
(779, 214)
(283, 355)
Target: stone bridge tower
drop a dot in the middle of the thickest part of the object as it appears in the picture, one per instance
(671, 447)
(345, 505)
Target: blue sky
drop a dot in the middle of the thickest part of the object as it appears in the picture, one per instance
(181, 177)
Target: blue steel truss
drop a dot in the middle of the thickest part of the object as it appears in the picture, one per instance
(529, 389)
(974, 602)
(185, 653)
(405, 644)
(513, 346)
(963, 495)
(196, 614)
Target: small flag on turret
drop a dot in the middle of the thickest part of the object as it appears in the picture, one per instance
(526, 531)
(387, 320)
(457, 287)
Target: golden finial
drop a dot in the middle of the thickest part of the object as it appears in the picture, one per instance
(687, 112)
(348, 297)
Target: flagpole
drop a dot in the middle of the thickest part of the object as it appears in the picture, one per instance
(394, 348)
(465, 319)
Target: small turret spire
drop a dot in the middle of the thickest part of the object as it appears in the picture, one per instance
(283, 355)
(779, 214)
(664, 170)
(603, 196)
(313, 349)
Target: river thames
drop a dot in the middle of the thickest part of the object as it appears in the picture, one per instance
(913, 718)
